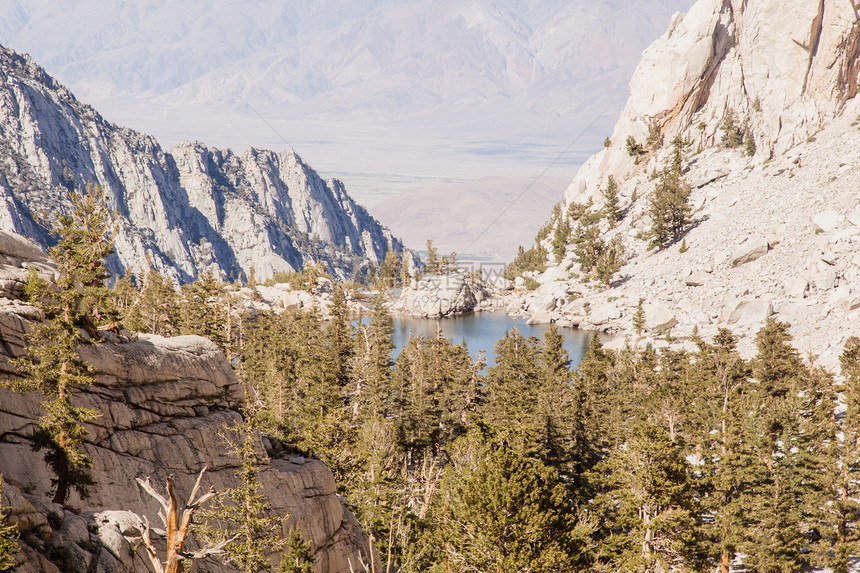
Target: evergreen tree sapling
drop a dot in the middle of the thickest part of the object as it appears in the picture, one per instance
(8, 539)
(240, 519)
(297, 558)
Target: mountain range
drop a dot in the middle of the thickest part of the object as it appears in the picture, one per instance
(383, 94)
(191, 210)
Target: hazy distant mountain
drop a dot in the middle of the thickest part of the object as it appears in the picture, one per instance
(379, 92)
(193, 209)
(391, 56)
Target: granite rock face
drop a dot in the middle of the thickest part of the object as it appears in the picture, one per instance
(436, 296)
(785, 67)
(163, 404)
(781, 78)
(190, 210)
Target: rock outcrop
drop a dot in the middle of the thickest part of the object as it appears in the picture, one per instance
(163, 404)
(775, 228)
(437, 296)
(186, 211)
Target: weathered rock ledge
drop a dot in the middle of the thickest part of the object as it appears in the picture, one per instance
(164, 402)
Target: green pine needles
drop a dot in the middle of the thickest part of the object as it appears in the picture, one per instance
(73, 303)
(8, 539)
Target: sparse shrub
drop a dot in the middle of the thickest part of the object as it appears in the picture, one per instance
(634, 149)
(607, 142)
(732, 132)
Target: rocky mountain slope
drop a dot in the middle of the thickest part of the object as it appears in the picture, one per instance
(776, 226)
(164, 402)
(189, 210)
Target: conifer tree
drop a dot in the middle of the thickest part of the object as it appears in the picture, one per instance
(371, 363)
(388, 271)
(639, 318)
(588, 241)
(609, 261)
(156, 309)
(611, 207)
(297, 558)
(560, 239)
(511, 393)
(846, 537)
(501, 511)
(669, 207)
(8, 539)
(74, 299)
(649, 503)
(339, 336)
(433, 266)
(242, 516)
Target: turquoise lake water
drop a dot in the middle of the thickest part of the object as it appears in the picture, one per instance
(481, 330)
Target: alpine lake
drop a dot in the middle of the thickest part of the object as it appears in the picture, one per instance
(481, 330)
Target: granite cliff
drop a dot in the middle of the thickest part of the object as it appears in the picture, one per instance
(189, 210)
(776, 222)
(163, 402)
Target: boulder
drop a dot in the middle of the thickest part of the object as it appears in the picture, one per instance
(827, 220)
(825, 279)
(545, 301)
(796, 287)
(658, 318)
(444, 295)
(604, 313)
(697, 278)
(553, 274)
(540, 317)
(747, 311)
(854, 217)
(751, 249)
(851, 303)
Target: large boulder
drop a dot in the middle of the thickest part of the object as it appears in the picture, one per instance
(435, 296)
(658, 318)
(747, 311)
(751, 249)
(604, 313)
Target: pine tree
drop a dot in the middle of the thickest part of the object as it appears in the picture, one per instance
(639, 319)
(297, 558)
(511, 393)
(611, 208)
(75, 298)
(732, 132)
(560, 239)
(433, 266)
(846, 509)
(669, 207)
(649, 507)
(588, 241)
(609, 262)
(371, 363)
(156, 309)
(339, 336)
(501, 511)
(772, 536)
(8, 540)
(388, 271)
(243, 515)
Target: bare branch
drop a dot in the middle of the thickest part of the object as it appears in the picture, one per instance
(147, 487)
(196, 486)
